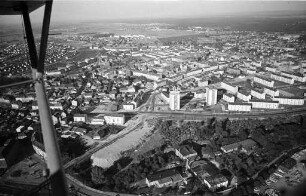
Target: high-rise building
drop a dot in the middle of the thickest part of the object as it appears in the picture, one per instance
(174, 99)
(211, 96)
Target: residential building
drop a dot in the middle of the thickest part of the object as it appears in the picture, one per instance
(281, 78)
(289, 100)
(211, 96)
(251, 71)
(243, 95)
(98, 120)
(264, 81)
(200, 94)
(209, 174)
(241, 107)
(174, 99)
(214, 182)
(128, 106)
(233, 71)
(74, 103)
(271, 91)
(264, 104)
(80, 118)
(271, 69)
(228, 97)
(202, 83)
(114, 118)
(148, 75)
(245, 145)
(78, 130)
(258, 93)
(296, 76)
(186, 152)
(229, 87)
(165, 178)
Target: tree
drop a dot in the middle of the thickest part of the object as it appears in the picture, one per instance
(97, 175)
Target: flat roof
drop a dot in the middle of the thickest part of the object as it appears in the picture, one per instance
(240, 104)
(281, 76)
(284, 97)
(262, 100)
(267, 79)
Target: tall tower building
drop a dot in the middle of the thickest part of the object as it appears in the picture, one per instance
(174, 99)
(211, 96)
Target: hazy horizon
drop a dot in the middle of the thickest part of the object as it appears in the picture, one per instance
(77, 11)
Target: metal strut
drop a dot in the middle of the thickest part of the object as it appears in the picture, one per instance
(57, 176)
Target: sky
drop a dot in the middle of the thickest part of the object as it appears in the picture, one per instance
(82, 10)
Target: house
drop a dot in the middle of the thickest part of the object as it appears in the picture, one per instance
(165, 178)
(287, 165)
(128, 106)
(96, 136)
(34, 105)
(80, 118)
(245, 145)
(98, 120)
(209, 174)
(186, 152)
(20, 129)
(114, 118)
(78, 130)
(217, 181)
(74, 103)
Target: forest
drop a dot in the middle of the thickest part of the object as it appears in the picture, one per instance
(273, 137)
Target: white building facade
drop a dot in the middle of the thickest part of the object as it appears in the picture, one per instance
(211, 96)
(263, 81)
(240, 107)
(174, 100)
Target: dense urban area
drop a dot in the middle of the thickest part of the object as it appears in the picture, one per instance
(149, 109)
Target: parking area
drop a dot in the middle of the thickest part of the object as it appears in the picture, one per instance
(280, 180)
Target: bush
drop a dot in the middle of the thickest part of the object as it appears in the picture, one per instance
(16, 173)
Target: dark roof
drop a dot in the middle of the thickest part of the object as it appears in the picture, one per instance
(166, 94)
(260, 100)
(163, 174)
(281, 75)
(289, 163)
(114, 115)
(229, 95)
(269, 88)
(284, 97)
(240, 104)
(14, 7)
(80, 115)
(186, 150)
(267, 79)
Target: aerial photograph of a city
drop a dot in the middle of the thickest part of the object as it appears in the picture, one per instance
(152, 97)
